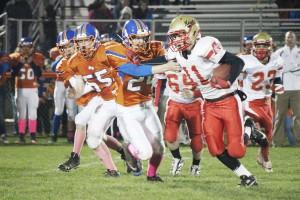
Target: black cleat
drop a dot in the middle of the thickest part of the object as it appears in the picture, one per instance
(256, 136)
(155, 178)
(112, 173)
(72, 163)
(134, 165)
(248, 181)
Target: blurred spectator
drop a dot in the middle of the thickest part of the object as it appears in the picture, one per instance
(290, 54)
(184, 2)
(17, 9)
(50, 29)
(142, 12)
(99, 10)
(159, 2)
(120, 5)
(45, 91)
(285, 4)
(126, 14)
(4, 66)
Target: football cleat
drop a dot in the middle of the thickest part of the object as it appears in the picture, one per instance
(256, 136)
(195, 170)
(3, 139)
(112, 173)
(133, 165)
(267, 165)
(72, 163)
(155, 178)
(248, 181)
(176, 166)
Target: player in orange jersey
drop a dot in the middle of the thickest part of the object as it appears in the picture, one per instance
(137, 119)
(26, 69)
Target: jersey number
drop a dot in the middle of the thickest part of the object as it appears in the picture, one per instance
(107, 82)
(134, 87)
(26, 74)
(261, 77)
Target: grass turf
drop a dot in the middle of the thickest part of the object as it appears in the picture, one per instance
(30, 172)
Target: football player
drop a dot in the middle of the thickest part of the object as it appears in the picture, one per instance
(26, 69)
(65, 45)
(222, 107)
(262, 72)
(137, 118)
(183, 104)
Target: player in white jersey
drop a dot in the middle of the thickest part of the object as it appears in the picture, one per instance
(261, 73)
(222, 106)
(182, 104)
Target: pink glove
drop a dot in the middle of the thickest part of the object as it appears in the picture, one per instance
(279, 89)
(217, 82)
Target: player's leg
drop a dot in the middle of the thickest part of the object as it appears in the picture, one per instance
(22, 114)
(32, 105)
(173, 118)
(59, 103)
(193, 120)
(153, 130)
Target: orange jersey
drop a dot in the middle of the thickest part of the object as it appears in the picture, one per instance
(26, 71)
(63, 72)
(133, 90)
(96, 72)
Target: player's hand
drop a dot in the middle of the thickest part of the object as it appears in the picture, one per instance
(217, 82)
(173, 66)
(187, 94)
(279, 89)
(71, 93)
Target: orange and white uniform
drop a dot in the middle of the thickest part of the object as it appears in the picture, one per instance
(26, 72)
(136, 114)
(97, 74)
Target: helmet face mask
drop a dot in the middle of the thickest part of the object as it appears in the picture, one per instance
(87, 40)
(136, 35)
(184, 31)
(262, 46)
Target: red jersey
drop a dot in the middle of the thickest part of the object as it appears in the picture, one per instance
(26, 71)
(96, 72)
(133, 90)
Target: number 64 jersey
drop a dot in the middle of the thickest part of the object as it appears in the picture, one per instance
(258, 78)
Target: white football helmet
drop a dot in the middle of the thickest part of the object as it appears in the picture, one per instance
(183, 33)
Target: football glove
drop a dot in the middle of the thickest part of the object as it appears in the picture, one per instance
(279, 89)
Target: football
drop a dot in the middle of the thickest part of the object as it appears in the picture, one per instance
(222, 71)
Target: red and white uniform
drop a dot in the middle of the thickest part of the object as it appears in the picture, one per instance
(97, 74)
(179, 108)
(222, 109)
(136, 115)
(26, 71)
(257, 84)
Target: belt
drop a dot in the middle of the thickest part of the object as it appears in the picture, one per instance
(222, 97)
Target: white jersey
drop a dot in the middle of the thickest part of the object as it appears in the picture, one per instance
(178, 81)
(258, 78)
(199, 65)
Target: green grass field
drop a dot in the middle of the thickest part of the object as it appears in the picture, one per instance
(30, 172)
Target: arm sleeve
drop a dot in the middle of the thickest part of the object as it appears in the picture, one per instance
(236, 63)
(134, 70)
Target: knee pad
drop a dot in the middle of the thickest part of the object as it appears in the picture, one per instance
(145, 153)
(93, 142)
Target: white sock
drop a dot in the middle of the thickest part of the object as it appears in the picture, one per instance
(248, 130)
(242, 171)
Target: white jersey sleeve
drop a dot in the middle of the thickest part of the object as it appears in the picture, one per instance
(210, 48)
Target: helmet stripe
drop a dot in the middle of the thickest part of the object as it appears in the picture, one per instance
(60, 37)
(65, 35)
(141, 24)
(137, 24)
